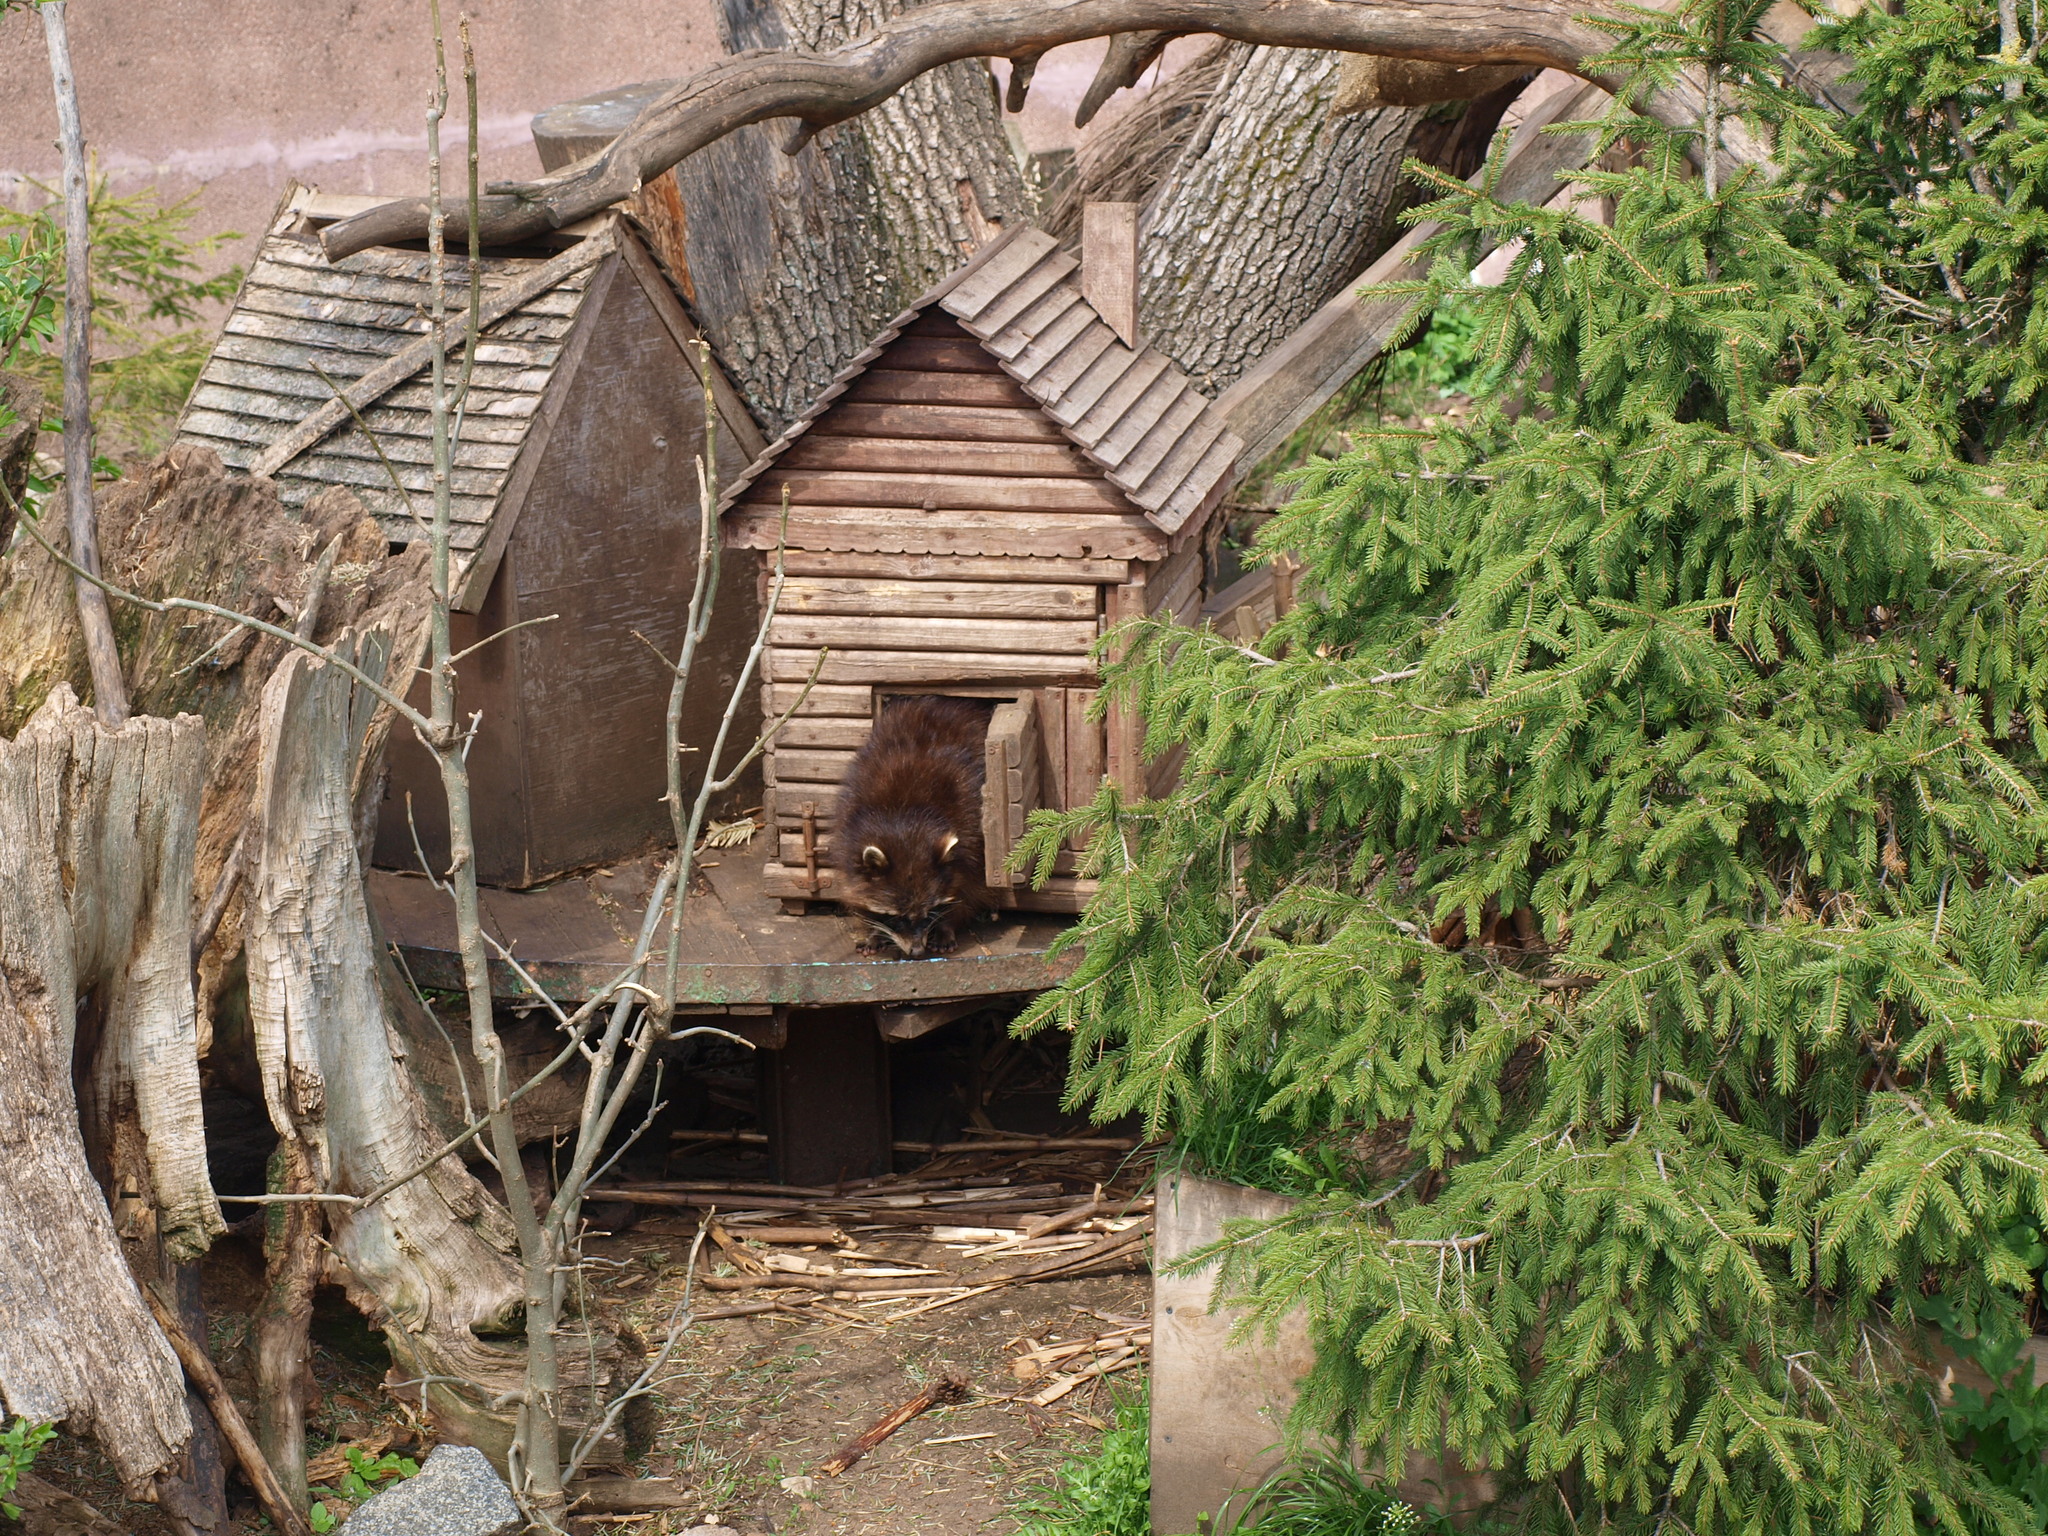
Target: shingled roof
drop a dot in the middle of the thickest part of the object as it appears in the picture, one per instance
(303, 328)
(1130, 411)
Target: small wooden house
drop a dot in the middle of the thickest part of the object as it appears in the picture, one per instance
(575, 495)
(1007, 472)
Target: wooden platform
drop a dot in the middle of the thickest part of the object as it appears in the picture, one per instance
(742, 952)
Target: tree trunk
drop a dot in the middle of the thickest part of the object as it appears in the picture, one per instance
(292, 1261)
(182, 527)
(185, 527)
(96, 836)
(799, 260)
(794, 262)
(433, 1262)
(944, 174)
(832, 88)
(1271, 205)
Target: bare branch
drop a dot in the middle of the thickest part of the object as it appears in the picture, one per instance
(825, 88)
(109, 690)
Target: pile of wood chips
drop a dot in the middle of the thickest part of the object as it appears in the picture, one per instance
(1012, 1210)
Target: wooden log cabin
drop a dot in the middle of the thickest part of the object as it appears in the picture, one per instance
(1004, 475)
(575, 495)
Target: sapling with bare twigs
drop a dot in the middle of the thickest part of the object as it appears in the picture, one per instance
(617, 1032)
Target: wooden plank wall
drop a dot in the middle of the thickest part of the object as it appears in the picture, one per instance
(944, 536)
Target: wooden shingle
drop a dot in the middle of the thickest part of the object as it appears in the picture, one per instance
(303, 328)
(1133, 415)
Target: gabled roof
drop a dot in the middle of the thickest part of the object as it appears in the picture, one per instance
(304, 328)
(261, 401)
(1130, 411)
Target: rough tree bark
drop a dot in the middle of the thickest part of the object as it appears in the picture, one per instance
(829, 88)
(793, 262)
(185, 527)
(1270, 207)
(434, 1261)
(96, 836)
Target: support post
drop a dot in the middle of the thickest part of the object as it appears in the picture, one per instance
(825, 1097)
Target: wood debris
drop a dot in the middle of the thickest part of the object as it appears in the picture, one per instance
(948, 1389)
(1049, 1212)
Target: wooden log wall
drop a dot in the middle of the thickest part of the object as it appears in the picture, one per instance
(946, 536)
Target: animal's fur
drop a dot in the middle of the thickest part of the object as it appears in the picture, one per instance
(908, 837)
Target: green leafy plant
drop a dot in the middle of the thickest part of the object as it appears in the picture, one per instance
(148, 298)
(19, 1443)
(2005, 1430)
(1106, 1494)
(1440, 360)
(364, 1477)
(1642, 826)
(1324, 1495)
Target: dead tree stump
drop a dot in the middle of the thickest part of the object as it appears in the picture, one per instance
(434, 1263)
(97, 829)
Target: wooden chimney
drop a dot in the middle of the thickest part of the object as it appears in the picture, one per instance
(1109, 265)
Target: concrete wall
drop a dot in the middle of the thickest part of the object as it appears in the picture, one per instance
(234, 99)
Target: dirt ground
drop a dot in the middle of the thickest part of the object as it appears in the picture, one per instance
(749, 1406)
(757, 1401)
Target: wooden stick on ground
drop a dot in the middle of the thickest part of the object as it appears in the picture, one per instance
(947, 1389)
(269, 1492)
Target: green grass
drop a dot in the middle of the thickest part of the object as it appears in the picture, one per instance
(1108, 1492)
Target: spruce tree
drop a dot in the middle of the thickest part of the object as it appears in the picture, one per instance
(1631, 852)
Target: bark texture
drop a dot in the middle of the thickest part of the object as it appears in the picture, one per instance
(1270, 207)
(185, 527)
(433, 1263)
(796, 261)
(824, 89)
(292, 1262)
(96, 836)
(434, 1256)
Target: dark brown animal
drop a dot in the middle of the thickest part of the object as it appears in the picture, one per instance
(908, 837)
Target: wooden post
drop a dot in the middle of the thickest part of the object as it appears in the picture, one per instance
(1126, 730)
(109, 692)
(825, 1097)
(1109, 265)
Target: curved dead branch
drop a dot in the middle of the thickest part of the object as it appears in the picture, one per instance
(825, 88)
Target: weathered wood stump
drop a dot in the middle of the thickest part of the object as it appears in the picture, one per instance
(97, 829)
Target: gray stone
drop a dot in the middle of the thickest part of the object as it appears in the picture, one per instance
(711, 1530)
(457, 1493)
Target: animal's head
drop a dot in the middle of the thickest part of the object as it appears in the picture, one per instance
(908, 878)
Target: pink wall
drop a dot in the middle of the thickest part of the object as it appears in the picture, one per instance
(236, 99)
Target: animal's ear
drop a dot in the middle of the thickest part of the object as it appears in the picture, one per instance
(873, 857)
(946, 847)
